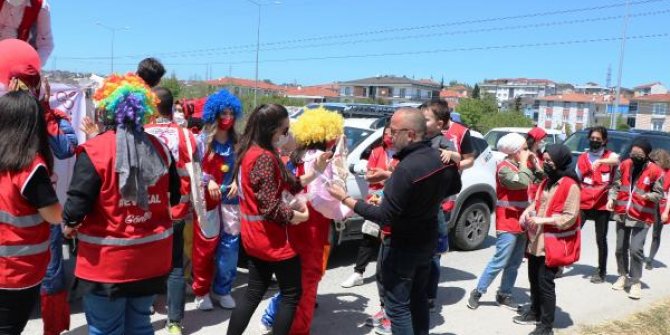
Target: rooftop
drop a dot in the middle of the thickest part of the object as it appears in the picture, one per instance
(391, 80)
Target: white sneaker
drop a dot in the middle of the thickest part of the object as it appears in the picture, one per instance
(356, 279)
(204, 303)
(620, 283)
(265, 329)
(227, 301)
(635, 292)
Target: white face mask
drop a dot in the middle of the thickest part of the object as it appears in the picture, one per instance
(281, 141)
(16, 3)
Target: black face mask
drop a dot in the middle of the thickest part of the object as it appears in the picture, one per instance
(595, 145)
(549, 170)
(638, 160)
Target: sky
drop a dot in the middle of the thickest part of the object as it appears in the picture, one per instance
(316, 41)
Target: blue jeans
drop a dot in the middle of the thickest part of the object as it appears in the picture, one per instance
(405, 281)
(226, 263)
(508, 257)
(54, 280)
(176, 284)
(118, 316)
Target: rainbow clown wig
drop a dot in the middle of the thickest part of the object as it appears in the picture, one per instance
(219, 102)
(126, 100)
(316, 126)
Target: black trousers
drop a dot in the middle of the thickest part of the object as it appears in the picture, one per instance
(601, 219)
(542, 290)
(655, 239)
(367, 251)
(260, 276)
(15, 309)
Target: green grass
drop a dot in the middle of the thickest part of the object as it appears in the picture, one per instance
(654, 321)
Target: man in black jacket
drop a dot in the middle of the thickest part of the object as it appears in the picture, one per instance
(412, 197)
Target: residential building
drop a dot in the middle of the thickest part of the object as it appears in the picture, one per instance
(310, 94)
(511, 88)
(453, 95)
(393, 89)
(241, 87)
(592, 88)
(651, 112)
(559, 111)
(651, 88)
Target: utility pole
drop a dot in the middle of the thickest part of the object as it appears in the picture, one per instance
(617, 100)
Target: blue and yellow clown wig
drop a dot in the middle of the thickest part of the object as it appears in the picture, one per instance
(316, 126)
(219, 102)
(126, 100)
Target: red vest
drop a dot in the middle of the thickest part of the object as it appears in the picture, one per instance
(172, 135)
(118, 241)
(378, 159)
(535, 184)
(455, 133)
(511, 203)
(629, 199)
(29, 19)
(24, 235)
(561, 247)
(666, 191)
(263, 239)
(595, 184)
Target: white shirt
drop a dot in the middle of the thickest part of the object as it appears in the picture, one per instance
(10, 20)
(594, 156)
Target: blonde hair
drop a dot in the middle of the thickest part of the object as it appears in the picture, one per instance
(661, 157)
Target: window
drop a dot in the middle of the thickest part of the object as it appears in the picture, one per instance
(580, 105)
(550, 104)
(580, 118)
(347, 91)
(659, 109)
(633, 107)
(403, 92)
(657, 125)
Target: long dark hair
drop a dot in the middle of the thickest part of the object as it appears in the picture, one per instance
(23, 132)
(261, 125)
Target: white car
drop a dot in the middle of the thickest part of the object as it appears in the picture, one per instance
(470, 224)
(492, 137)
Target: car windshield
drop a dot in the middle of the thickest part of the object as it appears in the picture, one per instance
(619, 143)
(355, 136)
(330, 108)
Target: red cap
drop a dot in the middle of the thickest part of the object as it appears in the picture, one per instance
(537, 134)
(19, 59)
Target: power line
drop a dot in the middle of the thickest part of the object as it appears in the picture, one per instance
(435, 51)
(395, 30)
(437, 34)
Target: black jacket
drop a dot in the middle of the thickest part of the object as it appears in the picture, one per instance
(412, 197)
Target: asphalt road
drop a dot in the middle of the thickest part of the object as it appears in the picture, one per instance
(343, 311)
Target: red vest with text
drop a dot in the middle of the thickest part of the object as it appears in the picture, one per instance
(24, 235)
(30, 15)
(455, 133)
(263, 239)
(666, 190)
(118, 241)
(630, 199)
(595, 184)
(561, 247)
(172, 135)
(511, 203)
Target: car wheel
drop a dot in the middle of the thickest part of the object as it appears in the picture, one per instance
(472, 226)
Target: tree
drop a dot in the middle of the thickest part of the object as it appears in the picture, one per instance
(474, 111)
(568, 130)
(504, 119)
(517, 104)
(475, 92)
(172, 84)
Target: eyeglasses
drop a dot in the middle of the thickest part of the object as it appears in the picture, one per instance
(397, 131)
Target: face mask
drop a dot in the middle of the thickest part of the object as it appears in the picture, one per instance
(226, 123)
(178, 118)
(595, 145)
(388, 141)
(638, 159)
(16, 3)
(283, 139)
(549, 170)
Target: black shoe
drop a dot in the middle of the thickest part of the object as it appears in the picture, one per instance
(648, 266)
(431, 305)
(528, 318)
(542, 330)
(597, 278)
(473, 302)
(505, 300)
(560, 272)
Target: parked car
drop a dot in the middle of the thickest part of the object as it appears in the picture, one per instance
(351, 109)
(494, 135)
(618, 141)
(469, 225)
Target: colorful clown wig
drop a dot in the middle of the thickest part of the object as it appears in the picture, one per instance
(126, 100)
(317, 126)
(219, 102)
